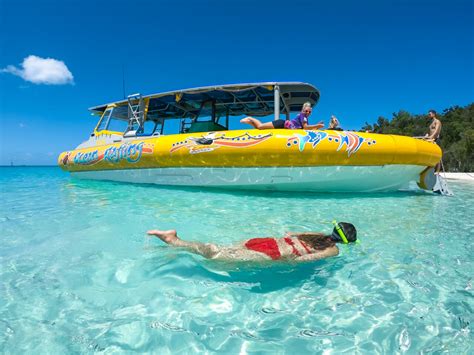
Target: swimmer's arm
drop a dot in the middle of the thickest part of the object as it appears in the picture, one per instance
(333, 251)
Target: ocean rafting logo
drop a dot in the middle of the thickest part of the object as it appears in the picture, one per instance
(131, 152)
(88, 158)
(350, 140)
(211, 141)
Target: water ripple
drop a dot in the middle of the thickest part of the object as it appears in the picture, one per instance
(321, 333)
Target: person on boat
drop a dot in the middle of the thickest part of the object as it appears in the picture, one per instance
(299, 122)
(435, 128)
(434, 133)
(293, 246)
(334, 124)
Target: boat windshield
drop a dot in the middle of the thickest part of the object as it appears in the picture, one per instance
(114, 119)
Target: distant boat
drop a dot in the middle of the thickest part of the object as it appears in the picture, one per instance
(129, 145)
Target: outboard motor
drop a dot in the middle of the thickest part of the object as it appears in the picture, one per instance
(434, 182)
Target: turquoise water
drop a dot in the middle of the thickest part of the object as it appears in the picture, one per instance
(78, 273)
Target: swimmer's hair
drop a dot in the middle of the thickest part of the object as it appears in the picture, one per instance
(317, 241)
(306, 104)
(349, 231)
(433, 112)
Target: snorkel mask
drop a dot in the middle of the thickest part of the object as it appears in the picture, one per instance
(347, 236)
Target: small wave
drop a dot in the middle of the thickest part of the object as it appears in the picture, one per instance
(168, 326)
(244, 335)
(311, 333)
(270, 310)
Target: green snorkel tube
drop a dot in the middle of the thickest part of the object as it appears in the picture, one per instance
(340, 232)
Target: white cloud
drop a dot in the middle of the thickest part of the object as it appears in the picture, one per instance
(42, 71)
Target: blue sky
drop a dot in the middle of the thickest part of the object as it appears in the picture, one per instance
(368, 58)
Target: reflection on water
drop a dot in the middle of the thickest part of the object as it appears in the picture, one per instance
(79, 274)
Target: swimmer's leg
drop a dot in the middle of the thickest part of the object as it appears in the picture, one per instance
(238, 253)
(170, 237)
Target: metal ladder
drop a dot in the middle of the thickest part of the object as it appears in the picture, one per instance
(135, 115)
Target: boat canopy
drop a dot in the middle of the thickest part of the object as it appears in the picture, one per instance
(253, 99)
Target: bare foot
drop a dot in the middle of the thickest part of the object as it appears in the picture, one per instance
(168, 237)
(246, 120)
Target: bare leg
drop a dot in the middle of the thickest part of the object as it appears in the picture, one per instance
(170, 237)
(256, 123)
(251, 121)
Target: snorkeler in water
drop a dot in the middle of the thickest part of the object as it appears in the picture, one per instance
(293, 246)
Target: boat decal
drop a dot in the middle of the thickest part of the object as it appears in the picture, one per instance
(311, 137)
(200, 150)
(66, 157)
(131, 152)
(211, 141)
(350, 140)
(88, 158)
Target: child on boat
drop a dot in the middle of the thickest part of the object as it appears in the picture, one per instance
(293, 246)
(334, 124)
(299, 122)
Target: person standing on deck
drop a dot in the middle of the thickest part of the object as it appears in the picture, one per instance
(435, 127)
(434, 133)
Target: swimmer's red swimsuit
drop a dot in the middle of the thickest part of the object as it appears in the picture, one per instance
(289, 241)
(266, 246)
(269, 246)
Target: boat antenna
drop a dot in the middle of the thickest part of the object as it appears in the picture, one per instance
(123, 81)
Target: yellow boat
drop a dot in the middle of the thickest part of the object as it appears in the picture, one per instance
(130, 144)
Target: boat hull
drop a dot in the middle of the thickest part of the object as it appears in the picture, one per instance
(317, 179)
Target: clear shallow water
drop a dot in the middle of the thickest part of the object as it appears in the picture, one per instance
(78, 273)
